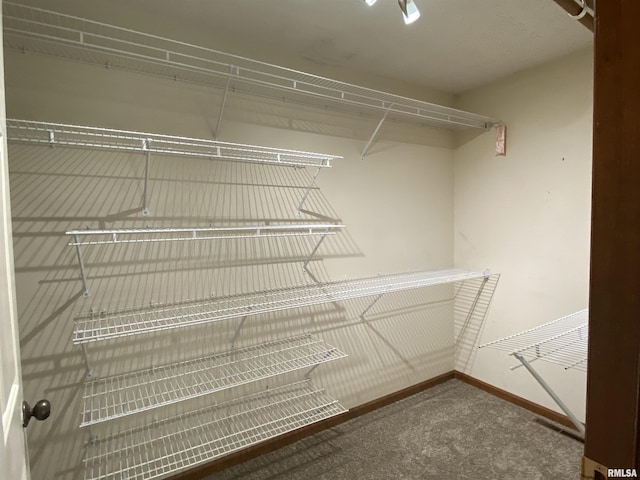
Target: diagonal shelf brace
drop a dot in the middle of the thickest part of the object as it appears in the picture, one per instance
(313, 252)
(375, 133)
(224, 101)
(85, 355)
(375, 300)
(551, 393)
(146, 147)
(311, 185)
(237, 333)
(85, 287)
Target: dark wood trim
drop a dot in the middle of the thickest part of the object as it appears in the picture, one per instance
(613, 378)
(232, 459)
(573, 8)
(516, 400)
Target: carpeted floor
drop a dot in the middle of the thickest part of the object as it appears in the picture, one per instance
(452, 431)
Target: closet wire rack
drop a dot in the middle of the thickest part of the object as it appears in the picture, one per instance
(563, 341)
(79, 136)
(200, 436)
(104, 325)
(29, 29)
(130, 393)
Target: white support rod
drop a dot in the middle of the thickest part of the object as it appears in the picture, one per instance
(308, 190)
(473, 307)
(313, 252)
(551, 393)
(85, 287)
(375, 300)
(85, 355)
(237, 333)
(145, 198)
(373, 135)
(222, 104)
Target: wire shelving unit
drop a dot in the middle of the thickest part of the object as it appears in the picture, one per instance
(51, 33)
(202, 435)
(145, 235)
(562, 341)
(97, 326)
(79, 136)
(120, 395)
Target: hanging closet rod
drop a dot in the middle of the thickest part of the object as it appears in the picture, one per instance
(562, 341)
(203, 435)
(63, 135)
(51, 33)
(117, 396)
(106, 325)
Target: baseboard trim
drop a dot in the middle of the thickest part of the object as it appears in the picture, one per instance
(197, 473)
(516, 400)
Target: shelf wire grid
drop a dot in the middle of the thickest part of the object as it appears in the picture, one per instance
(63, 135)
(143, 235)
(121, 395)
(51, 33)
(98, 326)
(562, 341)
(203, 435)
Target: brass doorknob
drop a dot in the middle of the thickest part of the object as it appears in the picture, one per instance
(41, 411)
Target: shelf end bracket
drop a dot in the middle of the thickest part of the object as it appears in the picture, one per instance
(85, 286)
(308, 190)
(374, 134)
(375, 300)
(313, 252)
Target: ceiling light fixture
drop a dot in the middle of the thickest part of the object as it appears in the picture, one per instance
(410, 12)
(370, 2)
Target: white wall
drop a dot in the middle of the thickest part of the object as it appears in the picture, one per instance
(397, 204)
(527, 215)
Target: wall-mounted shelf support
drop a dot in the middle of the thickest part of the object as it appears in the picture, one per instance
(147, 164)
(223, 102)
(308, 191)
(375, 133)
(85, 286)
(89, 372)
(313, 252)
(375, 300)
(238, 328)
(551, 393)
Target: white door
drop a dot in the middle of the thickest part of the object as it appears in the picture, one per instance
(13, 455)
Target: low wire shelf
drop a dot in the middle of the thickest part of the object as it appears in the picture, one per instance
(201, 436)
(121, 395)
(562, 341)
(98, 326)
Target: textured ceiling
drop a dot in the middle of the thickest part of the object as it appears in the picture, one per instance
(456, 46)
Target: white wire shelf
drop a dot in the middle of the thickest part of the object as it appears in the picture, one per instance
(563, 341)
(204, 435)
(51, 33)
(94, 326)
(57, 134)
(142, 235)
(121, 395)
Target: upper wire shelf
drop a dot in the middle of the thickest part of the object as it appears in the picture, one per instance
(143, 235)
(58, 134)
(96, 326)
(203, 435)
(121, 395)
(562, 341)
(51, 33)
